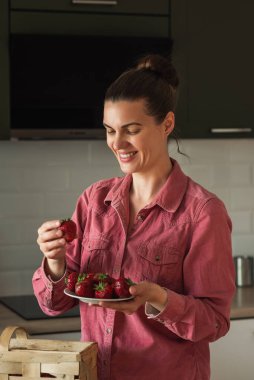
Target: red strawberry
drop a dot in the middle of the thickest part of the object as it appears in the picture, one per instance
(84, 287)
(102, 277)
(71, 280)
(69, 229)
(103, 290)
(121, 287)
(89, 275)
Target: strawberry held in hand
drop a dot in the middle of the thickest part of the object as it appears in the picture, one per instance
(69, 229)
(121, 287)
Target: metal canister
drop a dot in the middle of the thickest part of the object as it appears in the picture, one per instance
(243, 270)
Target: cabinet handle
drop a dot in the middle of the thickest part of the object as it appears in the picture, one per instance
(231, 130)
(95, 2)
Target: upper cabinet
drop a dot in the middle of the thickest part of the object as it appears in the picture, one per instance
(21, 19)
(160, 7)
(107, 17)
(213, 53)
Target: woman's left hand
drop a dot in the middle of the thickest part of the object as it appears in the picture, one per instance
(143, 292)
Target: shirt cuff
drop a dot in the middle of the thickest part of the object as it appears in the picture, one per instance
(151, 311)
(172, 311)
(47, 278)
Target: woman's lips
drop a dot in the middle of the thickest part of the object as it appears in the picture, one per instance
(126, 157)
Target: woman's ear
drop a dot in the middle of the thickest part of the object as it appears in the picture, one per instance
(169, 123)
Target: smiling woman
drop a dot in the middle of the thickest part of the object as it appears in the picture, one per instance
(154, 225)
(139, 143)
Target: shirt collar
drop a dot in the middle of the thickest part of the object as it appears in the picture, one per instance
(171, 194)
(119, 190)
(169, 197)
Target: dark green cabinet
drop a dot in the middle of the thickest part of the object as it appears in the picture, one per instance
(159, 7)
(83, 23)
(214, 56)
(74, 17)
(107, 17)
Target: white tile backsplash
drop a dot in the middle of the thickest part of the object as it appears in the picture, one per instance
(24, 205)
(242, 222)
(242, 198)
(42, 180)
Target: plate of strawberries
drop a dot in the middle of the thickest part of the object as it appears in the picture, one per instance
(95, 287)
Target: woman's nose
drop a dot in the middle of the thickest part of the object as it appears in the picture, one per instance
(119, 142)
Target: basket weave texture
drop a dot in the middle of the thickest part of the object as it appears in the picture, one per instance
(26, 359)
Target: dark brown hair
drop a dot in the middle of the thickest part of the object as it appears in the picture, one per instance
(154, 79)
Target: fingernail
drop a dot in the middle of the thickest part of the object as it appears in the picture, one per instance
(132, 290)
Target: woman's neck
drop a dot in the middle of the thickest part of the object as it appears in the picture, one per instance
(145, 186)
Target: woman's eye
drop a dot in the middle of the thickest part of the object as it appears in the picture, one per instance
(133, 132)
(110, 131)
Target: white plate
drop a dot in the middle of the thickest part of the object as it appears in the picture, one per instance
(95, 300)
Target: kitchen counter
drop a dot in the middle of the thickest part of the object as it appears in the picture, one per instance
(242, 307)
(243, 303)
(38, 326)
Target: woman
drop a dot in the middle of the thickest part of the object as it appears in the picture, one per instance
(154, 225)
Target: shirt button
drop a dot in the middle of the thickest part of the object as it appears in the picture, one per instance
(140, 217)
(108, 330)
(157, 258)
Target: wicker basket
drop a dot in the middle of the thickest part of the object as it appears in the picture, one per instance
(26, 359)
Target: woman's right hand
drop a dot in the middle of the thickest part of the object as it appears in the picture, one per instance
(53, 246)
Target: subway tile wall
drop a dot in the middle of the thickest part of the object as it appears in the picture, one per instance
(41, 180)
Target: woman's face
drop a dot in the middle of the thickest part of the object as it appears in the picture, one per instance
(138, 143)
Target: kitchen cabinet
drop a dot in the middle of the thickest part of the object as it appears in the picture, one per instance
(129, 18)
(105, 6)
(232, 355)
(120, 17)
(213, 54)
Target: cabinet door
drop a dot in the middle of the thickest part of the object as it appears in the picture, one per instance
(105, 6)
(232, 357)
(4, 72)
(213, 50)
(85, 23)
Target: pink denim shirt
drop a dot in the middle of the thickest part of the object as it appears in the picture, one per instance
(182, 241)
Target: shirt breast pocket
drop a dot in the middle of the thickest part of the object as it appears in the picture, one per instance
(96, 251)
(158, 263)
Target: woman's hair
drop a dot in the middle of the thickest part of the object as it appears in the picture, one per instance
(154, 79)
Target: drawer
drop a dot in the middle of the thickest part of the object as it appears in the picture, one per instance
(160, 7)
(85, 24)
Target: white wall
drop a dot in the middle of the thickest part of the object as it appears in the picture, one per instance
(41, 180)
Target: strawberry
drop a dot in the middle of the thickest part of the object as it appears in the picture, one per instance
(121, 287)
(90, 275)
(71, 280)
(84, 287)
(102, 277)
(69, 229)
(103, 290)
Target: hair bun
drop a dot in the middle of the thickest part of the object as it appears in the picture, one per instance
(161, 66)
